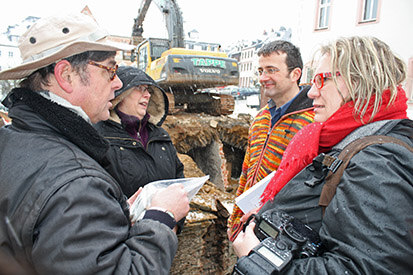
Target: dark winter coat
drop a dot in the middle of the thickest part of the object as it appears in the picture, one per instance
(134, 166)
(67, 214)
(129, 162)
(368, 225)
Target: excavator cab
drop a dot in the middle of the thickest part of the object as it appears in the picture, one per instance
(182, 72)
(180, 68)
(150, 49)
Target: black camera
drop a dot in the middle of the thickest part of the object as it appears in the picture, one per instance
(283, 238)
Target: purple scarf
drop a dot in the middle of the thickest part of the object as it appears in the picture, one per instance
(135, 127)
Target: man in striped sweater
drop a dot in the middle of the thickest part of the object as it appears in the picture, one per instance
(288, 110)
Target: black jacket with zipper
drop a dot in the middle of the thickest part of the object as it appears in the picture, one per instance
(61, 212)
(128, 161)
(367, 227)
(134, 166)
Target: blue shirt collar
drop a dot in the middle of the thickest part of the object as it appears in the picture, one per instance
(277, 113)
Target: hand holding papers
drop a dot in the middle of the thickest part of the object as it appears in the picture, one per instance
(191, 185)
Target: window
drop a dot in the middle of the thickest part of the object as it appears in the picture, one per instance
(323, 14)
(370, 10)
(143, 58)
(158, 48)
(10, 54)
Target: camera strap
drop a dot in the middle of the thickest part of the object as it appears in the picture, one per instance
(341, 162)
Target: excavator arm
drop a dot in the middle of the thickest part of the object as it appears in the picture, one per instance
(173, 20)
(137, 28)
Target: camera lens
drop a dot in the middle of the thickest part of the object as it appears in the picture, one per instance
(293, 234)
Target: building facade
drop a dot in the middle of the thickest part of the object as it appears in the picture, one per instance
(248, 66)
(325, 20)
(246, 54)
(9, 52)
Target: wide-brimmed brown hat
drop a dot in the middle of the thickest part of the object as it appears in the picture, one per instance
(54, 38)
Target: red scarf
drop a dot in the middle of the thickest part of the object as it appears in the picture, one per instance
(318, 137)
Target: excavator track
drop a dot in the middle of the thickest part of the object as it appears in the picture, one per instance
(209, 103)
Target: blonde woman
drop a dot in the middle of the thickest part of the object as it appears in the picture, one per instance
(367, 226)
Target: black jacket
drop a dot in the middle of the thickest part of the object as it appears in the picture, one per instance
(129, 162)
(367, 227)
(67, 214)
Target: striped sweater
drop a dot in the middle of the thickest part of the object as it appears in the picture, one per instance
(266, 146)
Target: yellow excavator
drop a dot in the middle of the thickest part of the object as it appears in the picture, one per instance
(182, 72)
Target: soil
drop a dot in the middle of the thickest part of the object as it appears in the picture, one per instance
(212, 145)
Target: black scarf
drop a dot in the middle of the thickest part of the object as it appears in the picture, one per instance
(70, 124)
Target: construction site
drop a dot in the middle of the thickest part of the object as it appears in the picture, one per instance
(209, 138)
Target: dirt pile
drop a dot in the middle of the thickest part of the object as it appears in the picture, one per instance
(203, 244)
(214, 146)
(217, 144)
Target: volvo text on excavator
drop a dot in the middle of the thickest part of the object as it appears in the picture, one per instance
(183, 72)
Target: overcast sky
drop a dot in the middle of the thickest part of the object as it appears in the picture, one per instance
(220, 21)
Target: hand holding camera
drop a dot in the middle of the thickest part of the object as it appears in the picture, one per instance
(283, 238)
(245, 241)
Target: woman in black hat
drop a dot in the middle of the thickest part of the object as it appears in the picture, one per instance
(140, 150)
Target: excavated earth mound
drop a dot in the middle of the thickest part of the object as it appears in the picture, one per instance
(208, 145)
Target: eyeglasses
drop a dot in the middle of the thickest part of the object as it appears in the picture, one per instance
(319, 79)
(143, 89)
(269, 71)
(111, 71)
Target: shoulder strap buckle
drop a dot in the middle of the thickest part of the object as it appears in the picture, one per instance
(332, 163)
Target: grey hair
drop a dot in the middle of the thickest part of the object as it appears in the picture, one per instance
(368, 67)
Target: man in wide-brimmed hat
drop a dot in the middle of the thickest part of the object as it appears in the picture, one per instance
(61, 213)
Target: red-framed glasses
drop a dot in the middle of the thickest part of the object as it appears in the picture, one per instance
(319, 79)
(111, 70)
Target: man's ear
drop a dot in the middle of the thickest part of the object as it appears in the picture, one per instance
(63, 72)
(296, 74)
